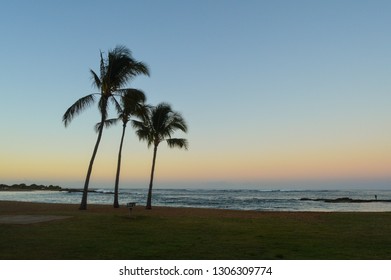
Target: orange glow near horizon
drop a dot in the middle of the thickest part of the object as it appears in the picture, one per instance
(371, 163)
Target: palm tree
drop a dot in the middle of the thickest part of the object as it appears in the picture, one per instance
(132, 104)
(159, 125)
(115, 71)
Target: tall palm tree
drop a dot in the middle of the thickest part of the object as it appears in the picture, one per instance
(132, 104)
(115, 72)
(160, 124)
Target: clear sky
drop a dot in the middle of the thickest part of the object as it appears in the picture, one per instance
(277, 94)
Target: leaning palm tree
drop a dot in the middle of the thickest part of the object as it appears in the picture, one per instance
(132, 104)
(159, 125)
(115, 72)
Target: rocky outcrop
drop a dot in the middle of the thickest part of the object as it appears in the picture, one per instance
(345, 200)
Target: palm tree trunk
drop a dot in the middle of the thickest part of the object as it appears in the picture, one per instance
(83, 204)
(116, 204)
(149, 199)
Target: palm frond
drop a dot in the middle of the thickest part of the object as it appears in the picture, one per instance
(103, 67)
(132, 94)
(159, 117)
(120, 50)
(77, 108)
(117, 105)
(121, 67)
(141, 112)
(140, 68)
(133, 103)
(143, 132)
(147, 109)
(178, 122)
(180, 143)
(96, 80)
(108, 123)
(137, 124)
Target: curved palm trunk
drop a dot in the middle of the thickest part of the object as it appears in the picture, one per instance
(116, 204)
(149, 199)
(83, 204)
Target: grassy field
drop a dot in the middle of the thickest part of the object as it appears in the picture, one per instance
(174, 233)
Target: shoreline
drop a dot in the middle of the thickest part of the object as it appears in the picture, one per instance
(19, 207)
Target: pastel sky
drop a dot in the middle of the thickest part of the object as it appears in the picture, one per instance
(277, 94)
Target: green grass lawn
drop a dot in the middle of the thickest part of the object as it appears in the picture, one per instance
(113, 235)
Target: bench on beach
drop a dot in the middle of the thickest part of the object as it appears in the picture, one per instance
(130, 205)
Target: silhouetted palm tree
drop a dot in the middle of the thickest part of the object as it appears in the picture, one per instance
(132, 104)
(115, 71)
(160, 124)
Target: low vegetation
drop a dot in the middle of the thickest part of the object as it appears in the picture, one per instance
(33, 187)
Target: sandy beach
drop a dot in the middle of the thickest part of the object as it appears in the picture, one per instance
(31, 208)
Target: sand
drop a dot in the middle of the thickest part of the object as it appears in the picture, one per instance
(45, 212)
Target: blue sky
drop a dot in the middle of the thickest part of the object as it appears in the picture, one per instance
(275, 93)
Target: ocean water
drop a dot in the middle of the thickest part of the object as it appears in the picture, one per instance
(241, 199)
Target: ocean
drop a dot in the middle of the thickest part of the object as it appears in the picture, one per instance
(240, 199)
